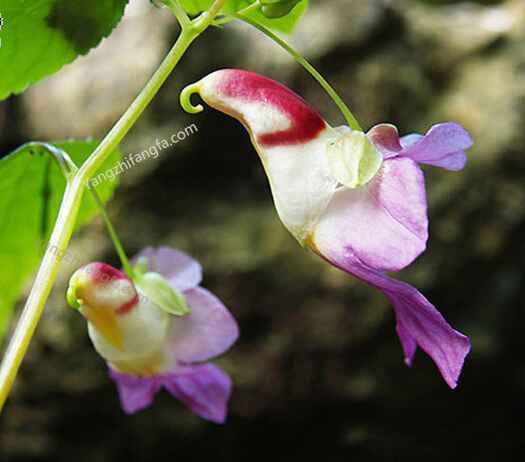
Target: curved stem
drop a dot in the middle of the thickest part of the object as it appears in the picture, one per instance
(71, 200)
(349, 117)
(113, 234)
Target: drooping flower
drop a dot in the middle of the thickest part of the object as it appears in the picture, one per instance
(357, 200)
(147, 347)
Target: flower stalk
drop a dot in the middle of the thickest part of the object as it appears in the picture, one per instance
(179, 12)
(126, 265)
(345, 111)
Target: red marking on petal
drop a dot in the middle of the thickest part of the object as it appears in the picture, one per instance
(128, 306)
(306, 123)
(102, 273)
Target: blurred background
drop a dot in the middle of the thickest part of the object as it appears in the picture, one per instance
(318, 370)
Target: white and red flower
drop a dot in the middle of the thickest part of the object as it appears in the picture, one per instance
(358, 200)
(146, 347)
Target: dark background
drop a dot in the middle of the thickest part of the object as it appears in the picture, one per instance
(318, 369)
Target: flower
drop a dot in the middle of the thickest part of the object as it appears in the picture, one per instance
(357, 200)
(148, 348)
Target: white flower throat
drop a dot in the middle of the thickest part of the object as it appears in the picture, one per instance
(305, 177)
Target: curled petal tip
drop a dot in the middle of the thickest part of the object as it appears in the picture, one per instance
(185, 98)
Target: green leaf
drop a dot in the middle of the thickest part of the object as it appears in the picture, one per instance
(38, 37)
(157, 289)
(195, 7)
(31, 189)
(284, 24)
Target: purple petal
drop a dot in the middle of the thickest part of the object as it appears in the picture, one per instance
(455, 161)
(383, 227)
(136, 393)
(384, 223)
(205, 389)
(182, 271)
(408, 140)
(418, 321)
(407, 342)
(209, 330)
(442, 146)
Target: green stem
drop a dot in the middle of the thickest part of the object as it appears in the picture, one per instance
(62, 159)
(113, 234)
(69, 169)
(179, 12)
(349, 117)
(71, 200)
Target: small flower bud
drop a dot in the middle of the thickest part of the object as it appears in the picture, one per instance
(273, 9)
